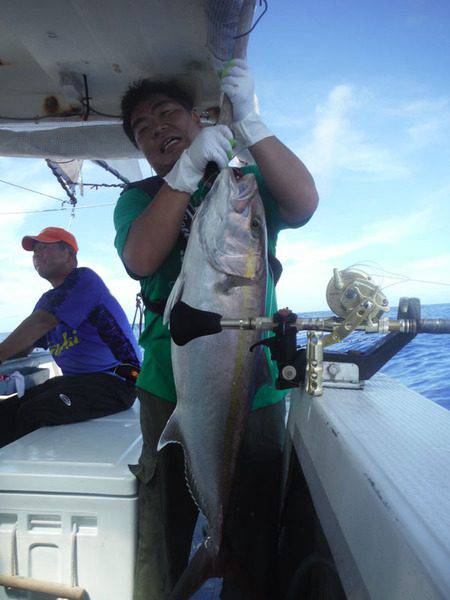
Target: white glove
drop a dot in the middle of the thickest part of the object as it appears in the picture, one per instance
(237, 83)
(212, 144)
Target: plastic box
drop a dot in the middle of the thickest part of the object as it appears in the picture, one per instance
(68, 506)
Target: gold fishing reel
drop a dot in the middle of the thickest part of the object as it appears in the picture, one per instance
(358, 301)
(351, 289)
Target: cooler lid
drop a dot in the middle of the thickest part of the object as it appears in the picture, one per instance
(82, 458)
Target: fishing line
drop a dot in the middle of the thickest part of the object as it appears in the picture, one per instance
(30, 190)
(373, 263)
(27, 212)
(392, 275)
(64, 201)
(418, 281)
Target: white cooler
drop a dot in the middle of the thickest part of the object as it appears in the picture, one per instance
(68, 506)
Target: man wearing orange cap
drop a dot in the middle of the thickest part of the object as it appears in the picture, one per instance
(88, 335)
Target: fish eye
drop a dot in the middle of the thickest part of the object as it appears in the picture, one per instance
(255, 224)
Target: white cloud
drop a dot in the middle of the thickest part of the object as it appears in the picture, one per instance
(426, 120)
(338, 145)
(303, 284)
(385, 231)
(425, 132)
(20, 285)
(420, 108)
(395, 228)
(428, 264)
(308, 263)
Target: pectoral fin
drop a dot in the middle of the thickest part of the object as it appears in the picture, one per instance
(174, 296)
(171, 433)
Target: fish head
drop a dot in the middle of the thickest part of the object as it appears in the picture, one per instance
(233, 227)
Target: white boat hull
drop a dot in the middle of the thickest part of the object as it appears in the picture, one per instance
(377, 465)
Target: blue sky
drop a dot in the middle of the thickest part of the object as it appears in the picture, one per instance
(360, 91)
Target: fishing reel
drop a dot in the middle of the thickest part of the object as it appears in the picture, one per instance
(356, 302)
(350, 289)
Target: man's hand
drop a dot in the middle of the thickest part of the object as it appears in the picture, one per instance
(155, 231)
(29, 331)
(213, 144)
(237, 83)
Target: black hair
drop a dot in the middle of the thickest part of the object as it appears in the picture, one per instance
(142, 90)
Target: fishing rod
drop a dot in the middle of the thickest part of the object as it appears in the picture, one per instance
(331, 324)
(358, 304)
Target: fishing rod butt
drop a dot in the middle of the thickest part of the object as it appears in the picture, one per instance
(188, 323)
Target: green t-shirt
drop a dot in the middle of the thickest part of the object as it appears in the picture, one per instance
(156, 375)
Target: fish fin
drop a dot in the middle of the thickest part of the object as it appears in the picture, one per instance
(206, 564)
(171, 433)
(174, 296)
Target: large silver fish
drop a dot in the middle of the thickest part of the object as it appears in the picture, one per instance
(224, 271)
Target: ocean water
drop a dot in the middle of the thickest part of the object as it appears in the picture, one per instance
(422, 365)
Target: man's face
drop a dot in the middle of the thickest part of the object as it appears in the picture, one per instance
(50, 260)
(163, 128)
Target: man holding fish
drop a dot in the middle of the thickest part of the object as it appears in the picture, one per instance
(223, 268)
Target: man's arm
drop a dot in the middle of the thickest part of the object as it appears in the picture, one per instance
(154, 233)
(22, 354)
(31, 329)
(286, 177)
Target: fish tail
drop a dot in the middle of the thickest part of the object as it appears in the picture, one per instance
(206, 564)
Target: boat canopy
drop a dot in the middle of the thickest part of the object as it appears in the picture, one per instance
(65, 66)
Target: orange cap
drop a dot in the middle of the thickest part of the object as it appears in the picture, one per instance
(50, 235)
